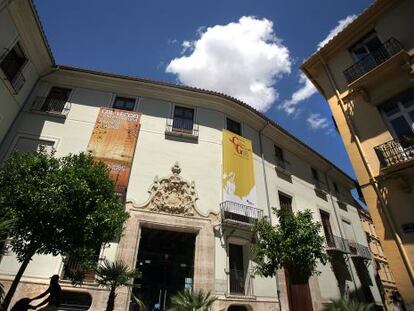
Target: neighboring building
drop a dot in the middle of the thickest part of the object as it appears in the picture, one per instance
(366, 74)
(384, 278)
(190, 226)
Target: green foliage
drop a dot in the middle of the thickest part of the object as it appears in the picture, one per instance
(192, 301)
(295, 244)
(113, 275)
(344, 304)
(58, 205)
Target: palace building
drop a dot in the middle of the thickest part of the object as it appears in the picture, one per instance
(366, 74)
(194, 167)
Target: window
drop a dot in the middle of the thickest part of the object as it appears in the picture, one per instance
(326, 224)
(285, 201)
(348, 230)
(29, 144)
(315, 174)
(233, 126)
(56, 100)
(11, 65)
(366, 46)
(399, 116)
(280, 158)
(183, 120)
(124, 103)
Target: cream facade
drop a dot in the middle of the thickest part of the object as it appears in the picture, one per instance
(174, 196)
(384, 277)
(366, 75)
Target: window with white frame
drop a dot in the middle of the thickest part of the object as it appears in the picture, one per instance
(399, 116)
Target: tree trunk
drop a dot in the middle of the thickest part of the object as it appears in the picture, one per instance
(13, 287)
(111, 300)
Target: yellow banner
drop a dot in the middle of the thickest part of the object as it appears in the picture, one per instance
(238, 174)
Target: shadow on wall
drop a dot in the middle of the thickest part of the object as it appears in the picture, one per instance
(342, 274)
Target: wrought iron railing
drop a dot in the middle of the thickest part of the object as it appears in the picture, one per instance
(372, 60)
(18, 81)
(51, 105)
(336, 243)
(283, 166)
(395, 151)
(72, 267)
(180, 128)
(359, 250)
(239, 212)
(240, 283)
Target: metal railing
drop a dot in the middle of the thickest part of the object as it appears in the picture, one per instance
(372, 60)
(18, 81)
(240, 283)
(336, 243)
(51, 105)
(180, 128)
(72, 266)
(283, 166)
(359, 250)
(239, 212)
(395, 151)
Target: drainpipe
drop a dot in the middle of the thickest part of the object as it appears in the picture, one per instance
(373, 181)
(340, 229)
(269, 209)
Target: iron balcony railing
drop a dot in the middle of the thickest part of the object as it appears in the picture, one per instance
(231, 211)
(240, 283)
(395, 151)
(18, 81)
(51, 105)
(359, 250)
(180, 127)
(283, 166)
(372, 60)
(336, 243)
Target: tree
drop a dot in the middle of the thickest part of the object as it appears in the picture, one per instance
(344, 304)
(294, 243)
(113, 275)
(192, 301)
(58, 206)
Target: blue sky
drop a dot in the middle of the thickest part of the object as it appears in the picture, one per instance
(249, 49)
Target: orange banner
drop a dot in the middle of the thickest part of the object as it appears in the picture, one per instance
(113, 141)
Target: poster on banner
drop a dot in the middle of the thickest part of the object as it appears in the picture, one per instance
(238, 173)
(113, 142)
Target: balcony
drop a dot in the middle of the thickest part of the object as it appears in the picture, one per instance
(337, 244)
(179, 128)
(359, 251)
(236, 213)
(321, 189)
(396, 154)
(50, 105)
(373, 60)
(240, 284)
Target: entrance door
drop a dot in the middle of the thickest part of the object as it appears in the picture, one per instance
(166, 261)
(298, 292)
(237, 279)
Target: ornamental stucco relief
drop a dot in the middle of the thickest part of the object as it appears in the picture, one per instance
(172, 195)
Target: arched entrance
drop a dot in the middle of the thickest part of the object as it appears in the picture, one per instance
(237, 308)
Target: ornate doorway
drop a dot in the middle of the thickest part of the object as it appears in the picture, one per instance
(166, 261)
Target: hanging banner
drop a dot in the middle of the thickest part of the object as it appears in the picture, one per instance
(113, 141)
(238, 174)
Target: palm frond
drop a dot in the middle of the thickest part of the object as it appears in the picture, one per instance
(115, 274)
(192, 301)
(344, 304)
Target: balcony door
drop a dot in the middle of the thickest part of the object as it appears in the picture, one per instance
(399, 116)
(326, 224)
(237, 275)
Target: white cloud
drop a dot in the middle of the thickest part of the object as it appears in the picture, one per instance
(305, 90)
(317, 122)
(341, 25)
(186, 45)
(242, 59)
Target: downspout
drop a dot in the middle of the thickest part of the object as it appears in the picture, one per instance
(269, 209)
(372, 179)
(339, 227)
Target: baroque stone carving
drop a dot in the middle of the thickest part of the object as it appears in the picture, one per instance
(173, 195)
